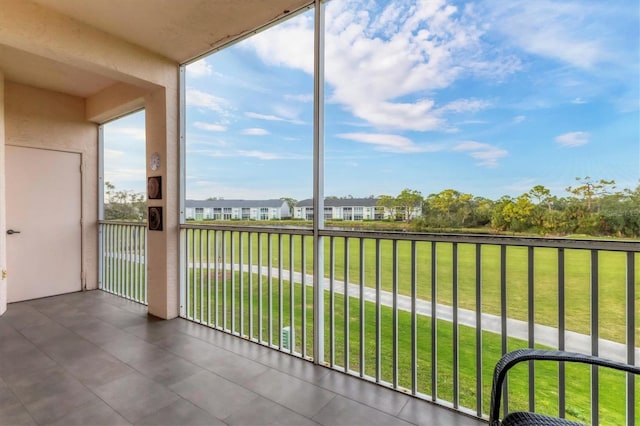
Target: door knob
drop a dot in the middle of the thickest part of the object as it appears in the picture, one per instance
(11, 232)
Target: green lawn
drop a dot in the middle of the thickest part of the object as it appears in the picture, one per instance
(612, 275)
(206, 300)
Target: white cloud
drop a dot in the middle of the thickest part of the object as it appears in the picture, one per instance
(285, 114)
(465, 105)
(210, 127)
(255, 131)
(262, 155)
(267, 117)
(290, 112)
(389, 143)
(373, 63)
(519, 119)
(200, 68)
(573, 139)
(300, 98)
(137, 133)
(486, 154)
(578, 101)
(563, 30)
(208, 101)
(112, 154)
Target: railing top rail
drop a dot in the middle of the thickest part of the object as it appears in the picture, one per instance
(509, 240)
(121, 222)
(245, 228)
(609, 245)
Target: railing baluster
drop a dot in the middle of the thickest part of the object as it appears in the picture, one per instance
(191, 259)
(479, 393)
(216, 278)
(260, 333)
(346, 312)
(280, 290)
(241, 273)
(232, 269)
(223, 243)
(394, 321)
(362, 318)
(106, 255)
(201, 272)
(129, 268)
(456, 337)
(332, 302)
(503, 319)
(183, 270)
(292, 294)
(434, 322)
(561, 335)
(378, 312)
(303, 288)
(250, 261)
(136, 265)
(208, 281)
(414, 319)
(531, 325)
(631, 337)
(595, 334)
(108, 278)
(144, 264)
(120, 259)
(270, 288)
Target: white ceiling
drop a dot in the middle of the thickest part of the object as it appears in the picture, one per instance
(177, 29)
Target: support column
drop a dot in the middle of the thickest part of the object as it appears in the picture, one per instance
(161, 112)
(3, 207)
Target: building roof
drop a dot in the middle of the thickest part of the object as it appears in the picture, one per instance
(234, 203)
(341, 202)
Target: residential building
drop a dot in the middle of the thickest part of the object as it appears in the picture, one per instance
(349, 209)
(237, 210)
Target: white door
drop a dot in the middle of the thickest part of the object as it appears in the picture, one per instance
(43, 223)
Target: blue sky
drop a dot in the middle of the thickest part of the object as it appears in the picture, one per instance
(487, 97)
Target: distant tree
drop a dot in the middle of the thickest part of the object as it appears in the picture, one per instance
(408, 200)
(513, 214)
(481, 209)
(388, 203)
(499, 221)
(541, 195)
(124, 204)
(589, 190)
(454, 206)
(620, 213)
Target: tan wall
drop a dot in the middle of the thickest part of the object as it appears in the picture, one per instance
(42, 119)
(3, 220)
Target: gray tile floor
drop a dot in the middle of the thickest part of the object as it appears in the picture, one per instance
(96, 359)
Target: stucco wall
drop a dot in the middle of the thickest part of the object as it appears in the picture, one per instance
(3, 222)
(42, 119)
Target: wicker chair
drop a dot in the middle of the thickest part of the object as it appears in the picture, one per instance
(524, 418)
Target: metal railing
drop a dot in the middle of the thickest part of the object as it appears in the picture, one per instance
(122, 260)
(429, 314)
